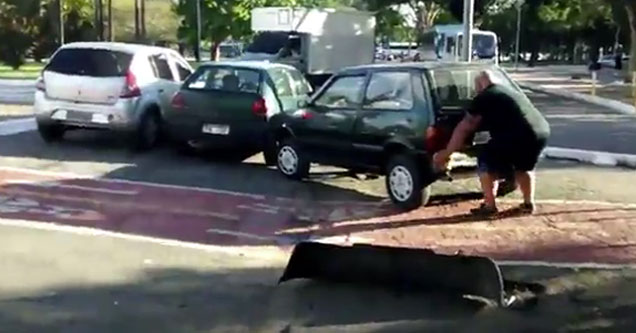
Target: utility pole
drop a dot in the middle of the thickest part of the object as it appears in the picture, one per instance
(518, 37)
(198, 46)
(142, 19)
(137, 30)
(111, 29)
(60, 7)
(469, 7)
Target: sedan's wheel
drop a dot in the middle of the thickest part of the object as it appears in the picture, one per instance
(291, 161)
(404, 183)
(51, 133)
(147, 134)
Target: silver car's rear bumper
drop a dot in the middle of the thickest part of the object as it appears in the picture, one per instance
(119, 116)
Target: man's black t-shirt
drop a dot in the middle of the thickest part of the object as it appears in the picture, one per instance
(509, 116)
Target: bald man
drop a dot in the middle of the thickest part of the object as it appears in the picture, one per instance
(518, 132)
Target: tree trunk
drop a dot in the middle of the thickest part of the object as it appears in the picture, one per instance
(215, 54)
(630, 6)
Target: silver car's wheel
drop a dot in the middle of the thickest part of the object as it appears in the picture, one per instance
(287, 160)
(401, 183)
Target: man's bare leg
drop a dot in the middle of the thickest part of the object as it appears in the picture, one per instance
(489, 186)
(526, 181)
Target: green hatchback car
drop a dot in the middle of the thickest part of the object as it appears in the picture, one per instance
(387, 120)
(228, 105)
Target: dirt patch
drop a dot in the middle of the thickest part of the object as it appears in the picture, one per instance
(583, 232)
(9, 111)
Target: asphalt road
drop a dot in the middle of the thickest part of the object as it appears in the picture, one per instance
(584, 126)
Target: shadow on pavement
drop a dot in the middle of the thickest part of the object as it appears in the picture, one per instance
(179, 300)
(248, 300)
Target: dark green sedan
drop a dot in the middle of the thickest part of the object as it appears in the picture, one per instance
(228, 104)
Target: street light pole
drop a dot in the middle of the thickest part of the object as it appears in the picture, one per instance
(198, 10)
(469, 7)
(518, 37)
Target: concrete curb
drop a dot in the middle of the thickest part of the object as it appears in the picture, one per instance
(599, 158)
(615, 106)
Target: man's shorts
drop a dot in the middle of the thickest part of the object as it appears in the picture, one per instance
(505, 158)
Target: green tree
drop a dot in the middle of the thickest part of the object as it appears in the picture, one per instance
(18, 23)
(630, 7)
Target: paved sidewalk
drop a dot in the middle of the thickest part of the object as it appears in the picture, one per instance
(17, 92)
(577, 79)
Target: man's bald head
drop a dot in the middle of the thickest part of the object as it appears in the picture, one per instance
(483, 80)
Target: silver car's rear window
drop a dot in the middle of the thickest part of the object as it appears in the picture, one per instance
(90, 62)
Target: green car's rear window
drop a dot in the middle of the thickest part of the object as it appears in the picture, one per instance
(225, 79)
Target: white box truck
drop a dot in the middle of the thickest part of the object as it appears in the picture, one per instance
(317, 41)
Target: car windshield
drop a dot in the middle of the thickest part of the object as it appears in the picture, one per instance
(90, 62)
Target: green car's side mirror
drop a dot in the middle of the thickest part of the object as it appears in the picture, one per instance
(302, 103)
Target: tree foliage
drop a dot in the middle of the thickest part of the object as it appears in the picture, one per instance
(17, 26)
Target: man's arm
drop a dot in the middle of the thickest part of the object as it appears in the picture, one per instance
(466, 127)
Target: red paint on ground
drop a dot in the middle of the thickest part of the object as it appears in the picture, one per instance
(558, 233)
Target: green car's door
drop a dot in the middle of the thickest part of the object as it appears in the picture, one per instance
(223, 105)
(326, 125)
(392, 110)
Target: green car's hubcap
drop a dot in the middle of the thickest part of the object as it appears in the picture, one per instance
(287, 160)
(401, 183)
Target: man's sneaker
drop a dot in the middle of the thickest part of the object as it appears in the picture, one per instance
(526, 208)
(484, 211)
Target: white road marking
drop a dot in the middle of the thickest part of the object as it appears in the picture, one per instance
(584, 265)
(16, 126)
(261, 252)
(131, 182)
(255, 208)
(243, 235)
(342, 240)
(50, 184)
(264, 252)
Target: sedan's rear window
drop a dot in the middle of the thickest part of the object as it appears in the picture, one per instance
(90, 62)
(226, 79)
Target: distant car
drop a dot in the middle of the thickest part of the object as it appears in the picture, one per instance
(114, 86)
(228, 104)
(384, 119)
(609, 60)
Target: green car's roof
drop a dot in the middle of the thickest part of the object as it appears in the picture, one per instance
(426, 65)
(259, 65)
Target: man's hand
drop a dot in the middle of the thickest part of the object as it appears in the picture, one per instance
(441, 158)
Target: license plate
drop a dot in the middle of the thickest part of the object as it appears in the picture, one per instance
(216, 129)
(99, 118)
(481, 137)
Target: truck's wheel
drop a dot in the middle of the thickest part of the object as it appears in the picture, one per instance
(51, 133)
(291, 161)
(404, 183)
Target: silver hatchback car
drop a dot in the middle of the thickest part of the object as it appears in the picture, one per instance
(113, 86)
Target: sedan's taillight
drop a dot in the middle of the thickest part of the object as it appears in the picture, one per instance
(131, 89)
(40, 85)
(436, 139)
(178, 102)
(259, 107)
